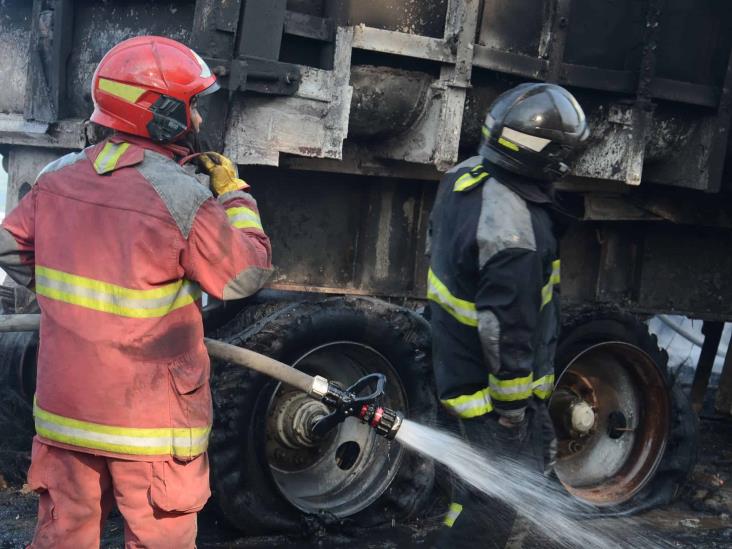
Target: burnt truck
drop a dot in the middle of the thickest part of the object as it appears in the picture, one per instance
(342, 114)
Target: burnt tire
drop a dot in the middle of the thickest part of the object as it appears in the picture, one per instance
(244, 486)
(18, 351)
(584, 328)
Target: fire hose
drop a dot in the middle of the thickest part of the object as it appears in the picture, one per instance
(342, 403)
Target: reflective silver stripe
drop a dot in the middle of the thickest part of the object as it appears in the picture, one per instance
(467, 406)
(511, 389)
(462, 310)
(186, 289)
(544, 386)
(183, 442)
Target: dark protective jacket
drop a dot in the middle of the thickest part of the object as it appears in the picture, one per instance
(492, 289)
(118, 241)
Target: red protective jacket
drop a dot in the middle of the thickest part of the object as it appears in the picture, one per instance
(118, 241)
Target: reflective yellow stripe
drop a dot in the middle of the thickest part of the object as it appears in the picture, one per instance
(467, 406)
(452, 514)
(461, 310)
(124, 91)
(470, 179)
(181, 442)
(506, 143)
(485, 131)
(108, 158)
(113, 299)
(547, 292)
(244, 218)
(507, 390)
(544, 386)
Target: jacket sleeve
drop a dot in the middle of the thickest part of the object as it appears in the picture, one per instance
(17, 241)
(508, 304)
(227, 251)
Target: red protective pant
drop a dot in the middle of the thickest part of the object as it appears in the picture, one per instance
(158, 500)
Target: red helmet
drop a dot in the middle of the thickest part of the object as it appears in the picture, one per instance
(144, 86)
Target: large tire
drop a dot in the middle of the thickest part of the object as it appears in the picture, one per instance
(244, 486)
(18, 353)
(584, 328)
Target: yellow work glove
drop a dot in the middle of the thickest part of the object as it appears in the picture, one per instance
(223, 173)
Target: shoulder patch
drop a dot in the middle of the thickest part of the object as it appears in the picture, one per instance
(504, 222)
(63, 162)
(470, 179)
(181, 193)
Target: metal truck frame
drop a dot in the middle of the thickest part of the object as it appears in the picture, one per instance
(343, 114)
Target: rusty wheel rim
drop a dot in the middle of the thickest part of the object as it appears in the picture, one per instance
(611, 461)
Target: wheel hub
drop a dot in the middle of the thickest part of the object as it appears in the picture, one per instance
(611, 411)
(351, 466)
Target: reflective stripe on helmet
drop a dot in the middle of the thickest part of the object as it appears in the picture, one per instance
(461, 310)
(532, 142)
(110, 298)
(181, 442)
(124, 91)
(506, 143)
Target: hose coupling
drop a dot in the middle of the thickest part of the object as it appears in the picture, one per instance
(346, 403)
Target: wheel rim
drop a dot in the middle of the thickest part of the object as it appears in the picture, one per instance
(611, 411)
(349, 468)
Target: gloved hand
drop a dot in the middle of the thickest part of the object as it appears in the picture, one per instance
(223, 173)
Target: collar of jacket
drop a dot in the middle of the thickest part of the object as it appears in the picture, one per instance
(122, 150)
(533, 190)
(171, 150)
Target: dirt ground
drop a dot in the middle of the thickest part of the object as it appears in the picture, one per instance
(700, 518)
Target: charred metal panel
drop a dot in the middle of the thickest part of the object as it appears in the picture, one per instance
(386, 102)
(15, 24)
(100, 25)
(261, 26)
(215, 25)
(695, 37)
(336, 232)
(25, 163)
(686, 270)
(50, 43)
(313, 122)
(512, 26)
(426, 18)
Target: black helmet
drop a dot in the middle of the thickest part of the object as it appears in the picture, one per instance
(534, 130)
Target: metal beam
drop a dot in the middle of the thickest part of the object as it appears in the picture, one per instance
(723, 403)
(712, 335)
(309, 26)
(50, 46)
(403, 44)
(718, 154)
(261, 27)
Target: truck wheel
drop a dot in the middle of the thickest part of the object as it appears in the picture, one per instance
(265, 482)
(18, 351)
(627, 434)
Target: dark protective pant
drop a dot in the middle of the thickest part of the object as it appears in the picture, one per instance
(475, 519)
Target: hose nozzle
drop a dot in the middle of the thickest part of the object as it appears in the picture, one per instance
(348, 403)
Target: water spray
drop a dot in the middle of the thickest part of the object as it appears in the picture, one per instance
(312, 421)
